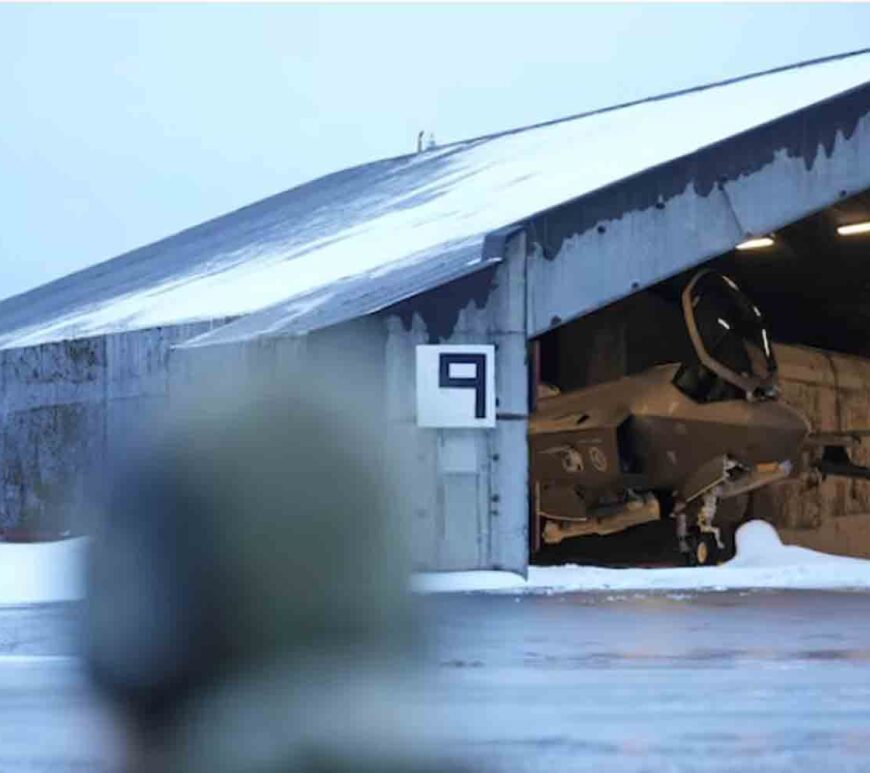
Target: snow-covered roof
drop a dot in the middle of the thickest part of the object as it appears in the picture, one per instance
(403, 222)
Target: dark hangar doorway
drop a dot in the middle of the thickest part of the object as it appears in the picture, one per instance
(812, 281)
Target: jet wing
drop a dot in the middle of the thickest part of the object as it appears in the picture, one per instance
(844, 439)
(835, 458)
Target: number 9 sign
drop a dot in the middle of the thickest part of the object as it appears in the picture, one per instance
(456, 385)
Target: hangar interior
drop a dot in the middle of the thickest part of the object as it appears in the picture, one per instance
(810, 279)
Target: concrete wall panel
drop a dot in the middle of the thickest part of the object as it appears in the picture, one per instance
(49, 457)
(53, 374)
(467, 489)
(66, 407)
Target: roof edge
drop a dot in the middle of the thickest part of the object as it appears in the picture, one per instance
(663, 96)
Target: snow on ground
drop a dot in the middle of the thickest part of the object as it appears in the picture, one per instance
(41, 573)
(762, 561)
(54, 571)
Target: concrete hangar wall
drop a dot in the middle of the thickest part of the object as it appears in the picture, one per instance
(491, 242)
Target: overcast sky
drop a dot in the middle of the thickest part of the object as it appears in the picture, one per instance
(123, 124)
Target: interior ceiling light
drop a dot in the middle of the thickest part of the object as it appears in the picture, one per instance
(756, 244)
(854, 228)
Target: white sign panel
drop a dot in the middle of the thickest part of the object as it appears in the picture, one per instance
(456, 385)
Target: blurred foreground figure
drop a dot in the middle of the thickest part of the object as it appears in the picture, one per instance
(247, 604)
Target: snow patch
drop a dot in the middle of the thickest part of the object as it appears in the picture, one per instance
(762, 561)
(53, 572)
(42, 573)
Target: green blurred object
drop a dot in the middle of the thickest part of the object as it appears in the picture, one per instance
(248, 603)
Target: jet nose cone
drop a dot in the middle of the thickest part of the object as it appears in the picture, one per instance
(779, 431)
(789, 417)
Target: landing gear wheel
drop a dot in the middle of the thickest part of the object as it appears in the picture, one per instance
(703, 550)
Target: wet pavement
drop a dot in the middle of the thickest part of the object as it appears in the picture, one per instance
(720, 681)
(761, 681)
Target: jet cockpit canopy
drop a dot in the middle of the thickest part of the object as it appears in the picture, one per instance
(729, 334)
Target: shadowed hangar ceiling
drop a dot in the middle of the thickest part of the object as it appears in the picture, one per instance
(812, 283)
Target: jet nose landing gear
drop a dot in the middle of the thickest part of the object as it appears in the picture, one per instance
(700, 541)
(703, 550)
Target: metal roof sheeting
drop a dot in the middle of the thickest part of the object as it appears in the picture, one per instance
(401, 223)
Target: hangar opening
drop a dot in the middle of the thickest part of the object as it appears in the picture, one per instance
(808, 282)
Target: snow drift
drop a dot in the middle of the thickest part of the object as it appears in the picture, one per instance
(762, 561)
(52, 572)
(43, 572)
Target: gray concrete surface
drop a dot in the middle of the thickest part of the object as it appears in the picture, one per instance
(761, 681)
(767, 681)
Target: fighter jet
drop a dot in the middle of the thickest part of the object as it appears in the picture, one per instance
(686, 440)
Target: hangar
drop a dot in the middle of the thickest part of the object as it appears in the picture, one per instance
(528, 252)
